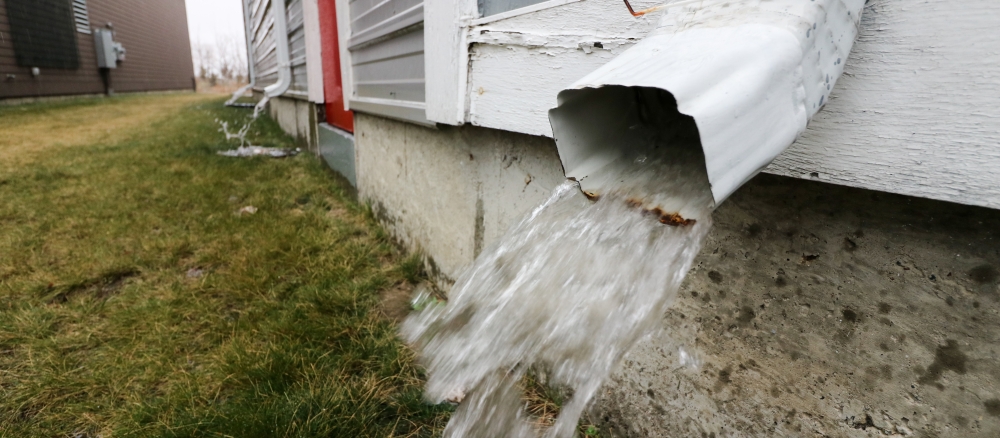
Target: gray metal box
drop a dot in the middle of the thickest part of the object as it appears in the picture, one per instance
(105, 46)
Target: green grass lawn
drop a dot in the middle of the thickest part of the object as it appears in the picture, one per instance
(135, 301)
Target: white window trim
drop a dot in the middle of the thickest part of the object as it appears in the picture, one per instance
(446, 51)
(522, 11)
(414, 112)
(314, 53)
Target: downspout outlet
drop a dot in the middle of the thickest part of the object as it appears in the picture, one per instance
(739, 79)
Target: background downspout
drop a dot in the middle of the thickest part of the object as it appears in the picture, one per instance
(281, 47)
(251, 62)
(745, 76)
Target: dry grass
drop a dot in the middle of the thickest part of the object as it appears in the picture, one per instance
(134, 301)
(543, 403)
(28, 130)
(222, 87)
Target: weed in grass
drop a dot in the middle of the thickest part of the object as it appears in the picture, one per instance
(104, 331)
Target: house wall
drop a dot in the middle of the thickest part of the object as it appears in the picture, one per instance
(383, 57)
(913, 113)
(264, 51)
(297, 48)
(298, 118)
(813, 309)
(449, 191)
(154, 34)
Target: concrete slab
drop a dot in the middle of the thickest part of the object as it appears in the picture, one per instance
(820, 310)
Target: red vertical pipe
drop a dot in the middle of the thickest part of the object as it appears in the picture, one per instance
(333, 83)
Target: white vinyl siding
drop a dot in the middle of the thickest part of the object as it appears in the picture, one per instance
(387, 58)
(264, 54)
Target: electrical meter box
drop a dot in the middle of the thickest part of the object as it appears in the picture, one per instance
(107, 56)
(119, 52)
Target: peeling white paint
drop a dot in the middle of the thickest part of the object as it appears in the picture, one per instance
(519, 64)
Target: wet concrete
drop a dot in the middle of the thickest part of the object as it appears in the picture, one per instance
(815, 309)
(820, 310)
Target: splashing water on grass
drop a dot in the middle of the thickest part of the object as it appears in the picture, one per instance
(241, 134)
(570, 288)
(246, 149)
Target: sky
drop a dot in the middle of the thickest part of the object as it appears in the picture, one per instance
(212, 21)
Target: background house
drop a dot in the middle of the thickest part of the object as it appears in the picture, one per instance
(48, 47)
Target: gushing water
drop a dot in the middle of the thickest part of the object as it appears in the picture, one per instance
(246, 149)
(241, 134)
(570, 289)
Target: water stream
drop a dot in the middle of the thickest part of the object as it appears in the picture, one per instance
(241, 134)
(246, 149)
(570, 288)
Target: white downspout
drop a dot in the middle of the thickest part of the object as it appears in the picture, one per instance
(747, 76)
(251, 62)
(281, 48)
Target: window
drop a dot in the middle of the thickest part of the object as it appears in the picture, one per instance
(44, 33)
(493, 7)
(81, 17)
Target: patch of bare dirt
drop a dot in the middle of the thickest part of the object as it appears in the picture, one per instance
(395, 301)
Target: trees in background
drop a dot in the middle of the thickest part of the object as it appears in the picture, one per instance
(222, 63)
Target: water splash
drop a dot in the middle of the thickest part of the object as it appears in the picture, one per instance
(238, 94)
(570, 288)
(241, 134)
(246, 149)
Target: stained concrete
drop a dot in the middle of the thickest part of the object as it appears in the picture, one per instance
(448, 192)
(814, 310)
(820, 310)
(297, 117)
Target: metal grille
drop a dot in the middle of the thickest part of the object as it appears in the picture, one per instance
(43, 33)
(80, 16)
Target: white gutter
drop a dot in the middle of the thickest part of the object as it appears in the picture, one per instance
(251, 65)
(280, 33)
(748, 75)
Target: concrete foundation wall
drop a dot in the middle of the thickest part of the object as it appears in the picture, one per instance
(297, 117)
(821, 310)
(447, 192)
(814, 310)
